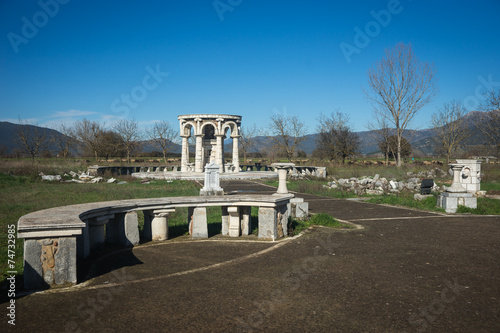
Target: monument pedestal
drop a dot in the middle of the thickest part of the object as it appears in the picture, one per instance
(212, 181)
(450, 201)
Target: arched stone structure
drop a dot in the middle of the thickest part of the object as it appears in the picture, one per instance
(210, 132)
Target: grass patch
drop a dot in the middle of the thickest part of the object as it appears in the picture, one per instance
(297, 225)
(22, 195)
(405, 199)
(485, 206)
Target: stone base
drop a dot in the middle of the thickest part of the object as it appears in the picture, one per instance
(210, 192)
(298, 208)
(451, 201)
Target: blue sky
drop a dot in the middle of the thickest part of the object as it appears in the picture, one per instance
(61, 61)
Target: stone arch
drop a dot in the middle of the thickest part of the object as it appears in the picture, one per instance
(209, 130)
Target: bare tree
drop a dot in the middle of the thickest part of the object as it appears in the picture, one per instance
(336, 139)
(450, 127)
(89, 133)
(490, 126)
(128, 130)
(162, 136)
(65, 140)
(31, 138)
(286, 133)
(401, 85)
(247, 140)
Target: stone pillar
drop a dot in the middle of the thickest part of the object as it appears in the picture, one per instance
(236, 154)
(234, 221)
(83, 244)
(456, 187)
(246, 220)
(156, 224)
(96, 233)
(198, 226)
(282, 171)
(123, 229)
(198, 161)
(225, 221)
(184, 153)
(219, 152)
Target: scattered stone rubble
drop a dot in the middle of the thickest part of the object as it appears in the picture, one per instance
(81, 178)
(378, 186)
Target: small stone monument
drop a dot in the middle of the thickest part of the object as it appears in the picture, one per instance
(456, 195)
(212, 182)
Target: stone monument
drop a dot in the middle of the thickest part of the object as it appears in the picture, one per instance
(210, 132)
(456, 195)
(212, 181)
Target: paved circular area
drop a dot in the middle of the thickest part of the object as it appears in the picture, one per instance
(404, 271)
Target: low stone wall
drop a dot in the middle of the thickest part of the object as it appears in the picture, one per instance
(54, 238)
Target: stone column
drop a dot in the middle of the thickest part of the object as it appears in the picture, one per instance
(219, 153)
(184, 153)
(159, 224)
(236, 154)
(282, 171)
(456, 187)
(96, 234)
(198, 160)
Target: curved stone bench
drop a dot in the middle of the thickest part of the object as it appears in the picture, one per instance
(55, 237)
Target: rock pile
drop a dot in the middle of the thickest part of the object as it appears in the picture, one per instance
(74, 177)
(378, 186)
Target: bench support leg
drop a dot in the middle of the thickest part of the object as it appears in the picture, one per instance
(234, 221)
(198, 227)
(49, 262)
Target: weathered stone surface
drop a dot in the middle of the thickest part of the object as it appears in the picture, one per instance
(198, 225)
(33, 273)
(65, 261)
(451, 201)
(246, 220)
(267, 223)
(129, 230)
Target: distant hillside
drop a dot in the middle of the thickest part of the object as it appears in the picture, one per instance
(421, 140)
(9, 137)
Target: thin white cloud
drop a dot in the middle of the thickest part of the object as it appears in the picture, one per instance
(71, 113)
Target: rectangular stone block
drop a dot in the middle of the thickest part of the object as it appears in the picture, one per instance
(267, 223)
(129, 230)
(198, 224)
(234, 221)
(65, 262)
(49, 262)
(246, 220)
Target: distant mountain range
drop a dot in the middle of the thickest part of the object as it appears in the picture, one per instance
(421, 140)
